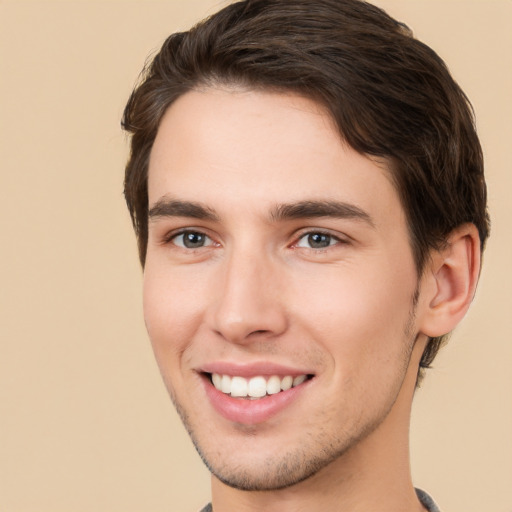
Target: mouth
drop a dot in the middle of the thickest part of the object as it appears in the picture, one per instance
(252, 394)
(257, 387)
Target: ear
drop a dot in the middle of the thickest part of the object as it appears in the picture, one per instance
(450, 281)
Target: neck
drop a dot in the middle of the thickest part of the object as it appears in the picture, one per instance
(373, 475)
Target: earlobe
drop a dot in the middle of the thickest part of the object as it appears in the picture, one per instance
(453, 276)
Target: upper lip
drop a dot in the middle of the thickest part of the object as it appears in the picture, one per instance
(262, 368)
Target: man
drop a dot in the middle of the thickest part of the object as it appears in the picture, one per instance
(307, 190)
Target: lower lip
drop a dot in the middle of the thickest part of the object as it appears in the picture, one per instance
(251, 412)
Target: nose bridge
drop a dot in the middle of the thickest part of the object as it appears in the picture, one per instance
(248, 302)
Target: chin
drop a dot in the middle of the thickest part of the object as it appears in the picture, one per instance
(271, 474)
(260, 467)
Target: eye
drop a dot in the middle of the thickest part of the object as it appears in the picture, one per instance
(317, 240)
(192, 240)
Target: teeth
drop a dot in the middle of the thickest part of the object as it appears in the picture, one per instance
(225, 384)
(299, 380)
(273, 385)
(256, 387)
(239, 386)
(286, 383)
(217, 380)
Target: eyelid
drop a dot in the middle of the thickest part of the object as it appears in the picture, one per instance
(170, 236)
(339, 237)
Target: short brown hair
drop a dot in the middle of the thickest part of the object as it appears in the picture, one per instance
(390, 95)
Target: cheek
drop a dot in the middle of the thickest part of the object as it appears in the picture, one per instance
(171, 313)
(360, 323)
(359, 315)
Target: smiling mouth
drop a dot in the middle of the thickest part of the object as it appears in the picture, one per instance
(255, 387)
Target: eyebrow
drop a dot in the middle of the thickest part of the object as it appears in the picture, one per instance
(166, 207)
(314, 209)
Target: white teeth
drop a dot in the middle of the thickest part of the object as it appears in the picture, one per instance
(239, 386)
(256, 387)
(225, 384)
(286, 383)
(217, 380)
(273, 385)
(299, 380)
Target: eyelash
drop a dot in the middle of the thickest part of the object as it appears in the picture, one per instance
(333, 240)
(172, 237)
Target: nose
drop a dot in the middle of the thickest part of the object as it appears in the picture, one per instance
(249, 302)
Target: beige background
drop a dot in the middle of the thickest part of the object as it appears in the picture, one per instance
(85, 423)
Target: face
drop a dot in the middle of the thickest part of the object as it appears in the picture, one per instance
(278, 286)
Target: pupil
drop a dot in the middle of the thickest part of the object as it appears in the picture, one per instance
(319, 240)
(193, 240)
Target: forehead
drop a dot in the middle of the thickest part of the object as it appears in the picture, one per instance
(254, 148)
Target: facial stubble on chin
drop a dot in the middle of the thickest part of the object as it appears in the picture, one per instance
(315, 452)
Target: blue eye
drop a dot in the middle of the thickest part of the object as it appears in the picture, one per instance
(192, 240)
(317, 240)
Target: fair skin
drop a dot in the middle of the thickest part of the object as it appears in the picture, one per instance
(277, 251)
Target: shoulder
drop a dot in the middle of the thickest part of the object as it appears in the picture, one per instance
(425, 499)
